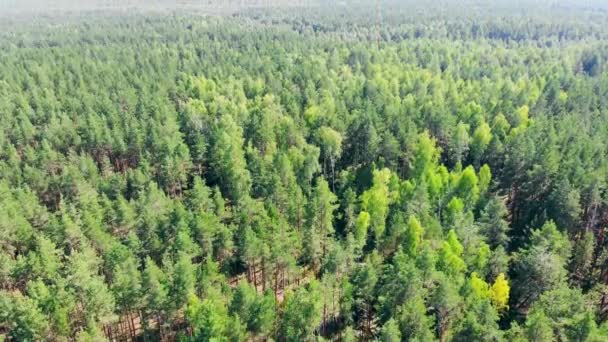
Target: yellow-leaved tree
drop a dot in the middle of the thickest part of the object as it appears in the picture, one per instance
(499, 292)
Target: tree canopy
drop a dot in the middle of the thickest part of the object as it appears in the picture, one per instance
(306, 173)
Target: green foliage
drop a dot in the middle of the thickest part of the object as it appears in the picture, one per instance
(450, 256)
(541, 266)
(499, 292)
(376, 201)
(331, 144)
(208, 317)
(228, 160)
(414, 323)
(467, 187)
(302, 313)
(361, 226)
(426, 155)
(257, 312)
(281, 174)
(566, 313)
(460, 142)
(447, 306)
(494, 226)
(319, 227)
(390, 332)
(478, 287)
(413, 236)
(22, 313)
(480, 140)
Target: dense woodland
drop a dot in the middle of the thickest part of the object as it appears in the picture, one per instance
(439, 174)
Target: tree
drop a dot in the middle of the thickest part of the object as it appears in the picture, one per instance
(208, 317)
(302, 314)
(7, 269)
(566, 312)
(446, 305)
(541, 265)
(582, 258)
(127, 286)
(45, 261)
(361, 226)
(425, 157)
(22, 313)
(399, 281)
(364, 282)
(348, 205)
(183, 281)
(362, 141)
(92, 292)
(199, 197)
(242, 301)
(454, 213)
(390, 332)
(538, 328)
(494, 226)
(263, 314)
(564, 206)
(376, 201)
(478, 287)
(264, 117)
(349, 335)
(460, 142)
(480, 141)
(414, 323)
(255, 311)
(479, 326)
(485, 178)
(236, 330)
(155, 290)
(467, 187)
(499, 292)
(413, 236)
(450, 256)
(330, 142)
(228, 159)
(320, 229)
(175, 163)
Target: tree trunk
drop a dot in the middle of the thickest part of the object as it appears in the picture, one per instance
(263, 276)
(333, 176)
(144, 325)
(324, 321)
(255, 281)
(133, 325)
(159, 323)
(276, 285)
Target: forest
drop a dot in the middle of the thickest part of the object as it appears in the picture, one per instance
(340, 171)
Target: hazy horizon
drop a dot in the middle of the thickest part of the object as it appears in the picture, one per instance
(46, 6)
